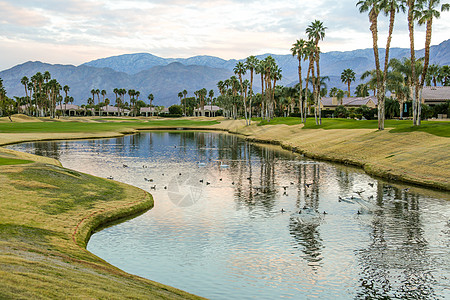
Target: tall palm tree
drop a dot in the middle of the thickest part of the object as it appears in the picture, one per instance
(374, 8)
(412, 16)
(66, 89)
(250, 64)
(309, 55)
(389, 8)
(184, 94)
(240, 70)
(299, 49)
(347, 76)
(427, 13)
(316, 33)
(180, 95)
(25, 81)
(211, 96)
(150, 98)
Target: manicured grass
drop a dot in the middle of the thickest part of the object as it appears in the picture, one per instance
(27, 127)
(46, 213)
(12, 161)
(439, 128)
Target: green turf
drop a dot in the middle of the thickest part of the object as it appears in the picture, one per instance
(439, 128)
(95, 127)
(12, 161)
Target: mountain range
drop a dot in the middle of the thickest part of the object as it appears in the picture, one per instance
(165, 77)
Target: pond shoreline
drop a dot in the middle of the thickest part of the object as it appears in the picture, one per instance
(392, 162)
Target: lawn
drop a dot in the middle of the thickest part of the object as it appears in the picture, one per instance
(51, 127)
(439, 128)
(12, 161)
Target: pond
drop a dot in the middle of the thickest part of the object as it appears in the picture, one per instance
(234, 219)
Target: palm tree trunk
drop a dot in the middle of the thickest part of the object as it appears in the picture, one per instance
(413, 58)
(374, 30)
(300, 98)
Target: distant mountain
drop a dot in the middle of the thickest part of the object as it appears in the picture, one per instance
(164, 82)
(165, 77)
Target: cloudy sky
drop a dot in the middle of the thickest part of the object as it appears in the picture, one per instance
(77, 31)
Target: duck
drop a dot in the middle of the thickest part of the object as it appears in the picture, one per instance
(223, 166)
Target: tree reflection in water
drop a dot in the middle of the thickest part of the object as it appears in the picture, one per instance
(396, 263)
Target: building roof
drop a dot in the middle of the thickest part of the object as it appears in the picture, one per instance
(153, 109)
(436, 93)
(67, 106)
(210, 108)
(349, 101)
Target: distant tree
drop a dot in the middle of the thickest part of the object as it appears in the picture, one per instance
(347, 76)
(250, 64)
(316, 33)
(299, 49)
(362, 90)
(150, 97)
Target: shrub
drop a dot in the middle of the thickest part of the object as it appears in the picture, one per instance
(176, 110)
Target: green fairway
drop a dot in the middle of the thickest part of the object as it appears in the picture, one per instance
(27, 127)
(12, 161)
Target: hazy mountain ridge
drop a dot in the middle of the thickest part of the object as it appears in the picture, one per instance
(164, 82)
(165, 77)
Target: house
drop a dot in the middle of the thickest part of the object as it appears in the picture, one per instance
(432, 95)
(349, 102)
(153, 111)
(113, 111)
(210, 111)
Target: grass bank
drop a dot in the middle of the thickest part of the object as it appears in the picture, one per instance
(47, 213)
(399, 153)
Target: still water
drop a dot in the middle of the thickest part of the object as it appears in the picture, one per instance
(237, 220)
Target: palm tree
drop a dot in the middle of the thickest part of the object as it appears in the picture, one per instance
(299, 50)
(66, 89)
(240, 70)
(103, 92)
(427, 14)
(309, 55)
(93, 92)
(47, 76)
(347, 76)
(444, 75)
(412, 15)
(432, 74)
(150, 98)
(374, 7)
(316, 33)
(250, 64)
(180, 95)
(362, 90)
(107, 103)
(25, 83)
(390, 8)
(184, 95)
(211, 96)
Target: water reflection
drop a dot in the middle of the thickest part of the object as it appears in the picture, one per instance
(270, 225)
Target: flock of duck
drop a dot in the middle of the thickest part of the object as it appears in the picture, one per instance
(306, 214)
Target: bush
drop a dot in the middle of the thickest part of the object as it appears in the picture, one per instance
(367, 112)
(341, 112)
(175, 110)
(166, 115)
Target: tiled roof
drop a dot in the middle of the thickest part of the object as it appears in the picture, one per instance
(436, 93)
(350, 101)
